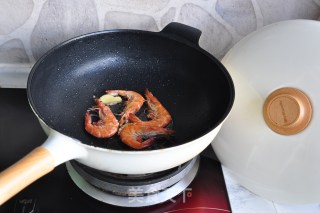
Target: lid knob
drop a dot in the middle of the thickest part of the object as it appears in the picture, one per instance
(287, 111)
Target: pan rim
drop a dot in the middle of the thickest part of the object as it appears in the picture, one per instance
(182, 40)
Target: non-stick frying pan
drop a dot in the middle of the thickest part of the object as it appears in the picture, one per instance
(193, 85)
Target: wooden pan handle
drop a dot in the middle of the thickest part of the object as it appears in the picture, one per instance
(30, 168)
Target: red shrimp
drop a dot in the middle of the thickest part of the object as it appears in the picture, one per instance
(133, 104)
(133, 135)
(107, 125)
(159, 116)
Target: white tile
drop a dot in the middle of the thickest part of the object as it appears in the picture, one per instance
(14, 76)
(309, 208)
(13, 52)
(135, 5)
(230, 11)
(60, 20)
(168, 17)
(125, 20)
(215, 38)
(13, 14)
(274, 11)
(244, 201)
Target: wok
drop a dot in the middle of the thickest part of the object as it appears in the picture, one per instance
(194, 86)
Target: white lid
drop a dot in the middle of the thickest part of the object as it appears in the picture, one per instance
(283, 168)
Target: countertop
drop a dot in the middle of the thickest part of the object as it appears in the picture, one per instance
(244, 201)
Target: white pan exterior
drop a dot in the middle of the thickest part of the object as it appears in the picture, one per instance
(64, 148)
(281, 168)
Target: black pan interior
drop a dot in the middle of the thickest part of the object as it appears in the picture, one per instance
(191, 84)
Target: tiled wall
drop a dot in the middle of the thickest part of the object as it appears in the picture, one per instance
(28, 28)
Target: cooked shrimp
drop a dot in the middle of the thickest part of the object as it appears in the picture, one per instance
(159, 116)
(133, 135)
(107, 125)
(133, 104)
